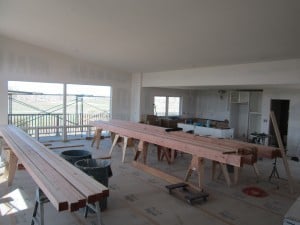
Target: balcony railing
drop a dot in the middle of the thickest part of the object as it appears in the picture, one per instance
(52, 124)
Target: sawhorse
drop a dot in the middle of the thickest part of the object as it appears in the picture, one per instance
(41, 199)
(127, 142)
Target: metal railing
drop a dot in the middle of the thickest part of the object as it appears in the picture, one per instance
(52, 124)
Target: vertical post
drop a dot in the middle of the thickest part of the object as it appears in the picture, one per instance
(65, 113)
(81, 122)
(9, 108)
(12, 167)
(281, 147)
(76, 110)
(57, 125)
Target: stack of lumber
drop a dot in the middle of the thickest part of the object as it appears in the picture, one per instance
(159, 136)
(207, 147)
(67, 187)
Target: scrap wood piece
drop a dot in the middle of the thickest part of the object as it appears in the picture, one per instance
(282, 150)
(97, 137)
(162, 175)
(65, 146)
(47, 144)
(192, 193)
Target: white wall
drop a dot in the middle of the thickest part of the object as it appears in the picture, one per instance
(23, 62)
(136, 97)
(262, 73)
(293, 138)
(211, 105)
(188, 99)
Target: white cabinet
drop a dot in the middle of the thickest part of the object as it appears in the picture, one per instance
(254, 124)
(214, 132)
(245, 113)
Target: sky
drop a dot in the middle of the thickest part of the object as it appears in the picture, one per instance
(57, 88)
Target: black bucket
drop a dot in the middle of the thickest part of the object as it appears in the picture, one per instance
(100, 170)
(73, 156)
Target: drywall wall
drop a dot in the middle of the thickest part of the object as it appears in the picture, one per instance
(23, 62)
(188, 100)
(262, 73)
(212, 105)
(135, 97)
(293, 137)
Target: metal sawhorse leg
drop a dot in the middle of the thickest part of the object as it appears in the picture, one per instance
(40, 200)
(96, 209)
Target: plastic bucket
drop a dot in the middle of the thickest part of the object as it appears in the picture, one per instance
(100, 170)
(73, 156)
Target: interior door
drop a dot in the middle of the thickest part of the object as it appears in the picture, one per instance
(281, 111)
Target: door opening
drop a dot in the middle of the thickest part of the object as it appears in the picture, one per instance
(281, 111)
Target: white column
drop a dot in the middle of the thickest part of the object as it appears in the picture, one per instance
(65, 112)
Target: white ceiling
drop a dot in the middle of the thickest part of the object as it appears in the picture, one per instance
(157, 35)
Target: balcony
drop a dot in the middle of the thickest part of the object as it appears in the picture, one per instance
(52, 124)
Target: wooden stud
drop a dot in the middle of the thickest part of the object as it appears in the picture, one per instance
(12, 167)
(282, 150)
(196, 165)
(116, 138)
(97, 138)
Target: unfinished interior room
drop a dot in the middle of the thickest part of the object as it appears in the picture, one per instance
(150, 112)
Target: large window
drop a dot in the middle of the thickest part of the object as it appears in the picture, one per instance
(39, 107)
(167, 106)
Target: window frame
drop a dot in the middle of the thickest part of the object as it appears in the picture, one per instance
(167, 113)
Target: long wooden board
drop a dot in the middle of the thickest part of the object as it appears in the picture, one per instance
(262, 150)
(66, 186)
(162, 138)
(282, 150)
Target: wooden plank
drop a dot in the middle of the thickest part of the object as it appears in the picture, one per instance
(75, 176)
(93, 192)
(65, 146)
(178, 135)
(97, 138)
(162, 175)
(65, 185)
(155, 172)
(262, 150)
(282, 150)
(12, 167)
(39, 178)
(171, 142)
(73, 197)
(184, 136)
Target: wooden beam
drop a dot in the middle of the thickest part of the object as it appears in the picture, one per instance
(160, 174)
(65, 146)
(78, 178)
(262, 150)
(282, 150)
(12, 167)
(166, 140)
(66, 186)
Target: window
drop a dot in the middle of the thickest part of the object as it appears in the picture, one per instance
(34, 104)
(167, 106)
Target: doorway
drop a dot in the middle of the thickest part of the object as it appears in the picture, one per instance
(281, 111)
